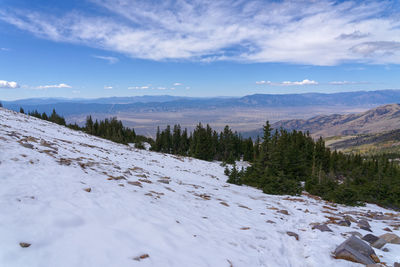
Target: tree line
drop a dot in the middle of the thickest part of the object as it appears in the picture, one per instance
(289, 162)
(204, 143)
(110, 129)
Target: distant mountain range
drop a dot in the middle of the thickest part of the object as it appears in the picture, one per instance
(144, 104)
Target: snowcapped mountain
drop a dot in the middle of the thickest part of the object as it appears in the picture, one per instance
(71, 199)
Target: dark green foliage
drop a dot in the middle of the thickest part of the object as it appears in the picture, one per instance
(284, 159)
(1, 105)
(204, 143)
(21, 110)
(111, 129)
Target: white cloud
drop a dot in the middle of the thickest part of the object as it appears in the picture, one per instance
(178, 84)
(4, 49)
(108, 87)
(321, 32)
(303, 82)
(10, 85)
(263, 82)
(139, 87)
(111, 60)
(61, 85)
(288, 83)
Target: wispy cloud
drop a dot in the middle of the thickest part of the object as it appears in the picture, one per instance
(108, 87)
(149, 87)
(178, 84)
(8, 85)
(321, 32)
(288, 83)
(111, 60)
(61, 85)
(4, 49)
(346, 82)
(145, 87)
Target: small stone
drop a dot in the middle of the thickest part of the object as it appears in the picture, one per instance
(269, 221)
(396, 264)
(363, 223)
(293, 234)
(164, 181)
(322, 228)
(141, 257)
(349, 218)
(355, 234)
(386, 250)
(344, 223)
(370, 238)
(24, 245)
(387, 229)
(135, 183)
(391, 238)
(283, 212)
(224, 203)
(88, 189)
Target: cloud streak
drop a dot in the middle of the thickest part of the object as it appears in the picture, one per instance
(288, 83)
(8, 85)
(61, 85)
(307, 32)
(111, 60)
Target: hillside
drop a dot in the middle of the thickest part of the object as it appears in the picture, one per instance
(374, 143)
(71, 199)
(379, 119)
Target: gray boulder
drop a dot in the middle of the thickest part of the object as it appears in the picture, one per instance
(375, 241)
(356, 250)
(391, 238)
(322, 227)
(363, 224)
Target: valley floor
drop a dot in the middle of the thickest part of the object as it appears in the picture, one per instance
(79, 200)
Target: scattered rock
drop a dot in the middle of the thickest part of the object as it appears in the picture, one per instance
(355, 234)
(293, 234)
(344, 223)
(283, 212)
(224, 203)
(349, 218)
(245, 228)
(375, 241)
(376, 265)
(363, 224)
(396, 264)
(27, 145)
(387, 229)
(145, 181)
(356, 250)
(269, 221)
(141, 257)
(386, 250)
(243, 206)
(135, 183)
(370, 238)
(322, 227)
(24, 245)
(391, 238)
(164, 181)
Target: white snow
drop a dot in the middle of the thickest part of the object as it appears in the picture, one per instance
(183, 223)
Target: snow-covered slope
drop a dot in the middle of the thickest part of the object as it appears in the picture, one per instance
(148, 209)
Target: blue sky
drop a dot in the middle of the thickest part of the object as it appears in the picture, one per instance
(98, 48)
